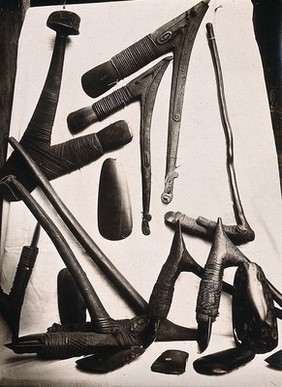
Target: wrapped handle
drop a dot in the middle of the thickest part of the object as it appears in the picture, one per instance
(210, 292)
(23, 273)
(112, 103)
(84, 117)
(161, 297)
(63, 345)
(101, 78)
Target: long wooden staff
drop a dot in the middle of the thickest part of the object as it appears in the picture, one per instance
(241, 232)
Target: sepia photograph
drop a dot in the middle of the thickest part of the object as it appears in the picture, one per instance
(140, 193)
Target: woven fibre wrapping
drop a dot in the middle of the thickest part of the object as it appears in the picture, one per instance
(126, 338)
(135, 56)
(113, 102)
(45, 111)
(208, 300)
(60, 346)
(54, 161)
(60, 159)
(23, 273)
(122, 333)
(105, 325)
(80, 151)
(37, 133)
(160, 301)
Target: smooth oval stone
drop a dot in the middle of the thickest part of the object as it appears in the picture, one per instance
(253, 313)
(222, 362)
(114, 206)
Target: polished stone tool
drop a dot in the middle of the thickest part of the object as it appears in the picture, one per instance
(114, 204)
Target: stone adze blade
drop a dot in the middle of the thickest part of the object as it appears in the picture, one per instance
(241, 232)
(143, 87)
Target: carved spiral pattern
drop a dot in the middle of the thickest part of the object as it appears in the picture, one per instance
(167, 195)
(164, 37)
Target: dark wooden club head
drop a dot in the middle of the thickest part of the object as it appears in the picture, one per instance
(64, 22)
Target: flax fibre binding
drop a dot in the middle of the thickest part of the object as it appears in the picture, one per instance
(60, 159)
(54, 160)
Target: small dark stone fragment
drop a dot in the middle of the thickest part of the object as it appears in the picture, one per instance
(172, 361)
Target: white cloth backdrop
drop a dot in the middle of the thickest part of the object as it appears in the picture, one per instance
(201, 188)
